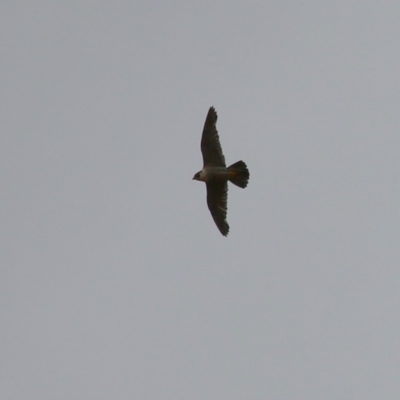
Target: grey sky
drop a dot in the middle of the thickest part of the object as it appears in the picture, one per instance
(115, 282)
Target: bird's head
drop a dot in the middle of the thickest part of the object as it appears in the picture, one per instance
(197, 176)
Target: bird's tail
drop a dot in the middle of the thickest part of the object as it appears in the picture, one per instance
(239, 174)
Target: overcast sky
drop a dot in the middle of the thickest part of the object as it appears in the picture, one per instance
(116, 283)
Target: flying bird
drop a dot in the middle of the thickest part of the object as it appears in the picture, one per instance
(215, 173)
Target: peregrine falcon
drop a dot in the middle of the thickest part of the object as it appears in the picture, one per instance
(216, 175)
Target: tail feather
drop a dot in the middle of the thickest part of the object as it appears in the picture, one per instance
(239, 174)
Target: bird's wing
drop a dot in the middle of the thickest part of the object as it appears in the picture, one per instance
(210, 145)
(217, 201)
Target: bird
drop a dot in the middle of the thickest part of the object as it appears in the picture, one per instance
(216, 175)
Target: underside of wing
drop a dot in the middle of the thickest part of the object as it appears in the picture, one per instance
(210, 145)
(217, 201)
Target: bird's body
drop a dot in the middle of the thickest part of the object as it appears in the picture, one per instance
(215, 173)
